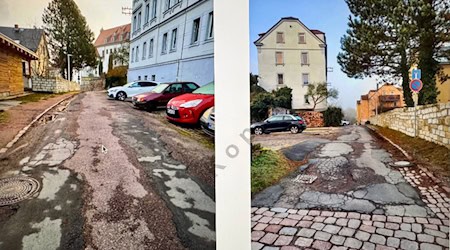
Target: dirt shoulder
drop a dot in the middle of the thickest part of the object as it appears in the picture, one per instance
(430, 155)
(20, 116)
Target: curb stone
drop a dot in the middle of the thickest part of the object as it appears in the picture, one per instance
(25, 129)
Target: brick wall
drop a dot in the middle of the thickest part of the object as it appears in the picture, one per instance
(53, 85)
(433, 122)
(313, 119)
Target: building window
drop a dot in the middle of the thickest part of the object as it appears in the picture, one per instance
(150, 49)
(154, 3)
(210, 26)
(173, 42)
(139, 20)
(306, 99)
(280, 37)
(279, 58)
(103, 53)
(139, 78)
(147, 12)
(195, 31)
(305, 79)
(132, 55)
(145, 78)
(167, 5)
(137, 53)
(153, 77)
(107, 51)
(144, 51)
(164, 44)
(305, 59)
(280, 79)
(301, 38)
(134, 23)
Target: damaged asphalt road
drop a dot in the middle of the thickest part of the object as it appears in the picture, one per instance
(108, 181)
(352, 175)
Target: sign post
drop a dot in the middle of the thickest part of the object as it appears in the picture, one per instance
(415, 85)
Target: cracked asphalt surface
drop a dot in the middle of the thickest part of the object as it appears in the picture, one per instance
(354, 181)
(112, 177)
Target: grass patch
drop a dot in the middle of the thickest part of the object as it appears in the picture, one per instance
(434, 156)
(4, 117)
(36, 97)
(268, 167)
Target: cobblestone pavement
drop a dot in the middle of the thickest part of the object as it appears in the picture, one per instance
(357, 202)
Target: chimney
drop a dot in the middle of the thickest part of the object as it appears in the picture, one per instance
(16, 27)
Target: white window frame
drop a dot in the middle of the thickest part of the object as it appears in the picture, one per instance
(210, 31)
(164, 43)
(154, 6)
(144, 51)
(303, 78)
(147, 13)
(150, 48)
(137, 53)
(195, 33)
(173, 40)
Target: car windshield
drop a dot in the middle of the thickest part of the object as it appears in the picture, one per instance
(208, 89)
(160, 88)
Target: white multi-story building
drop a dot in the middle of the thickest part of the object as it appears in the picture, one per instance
(111, 41)
(172, 40)
(291, 55)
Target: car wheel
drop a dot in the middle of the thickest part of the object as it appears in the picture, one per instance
(294, 129)
(121, 96)
(259, 131)
(150, 106)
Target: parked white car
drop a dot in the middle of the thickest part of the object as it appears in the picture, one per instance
(345, 123)
(131, 89)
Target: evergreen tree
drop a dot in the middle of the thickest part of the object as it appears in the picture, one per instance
(68, 34)
(385, 38)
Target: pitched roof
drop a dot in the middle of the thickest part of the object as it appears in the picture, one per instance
(30, 38)
(113, 35)
(290, 18)
(10, 44)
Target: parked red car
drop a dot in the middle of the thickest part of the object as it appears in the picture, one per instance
(162, 94)
(188, 108)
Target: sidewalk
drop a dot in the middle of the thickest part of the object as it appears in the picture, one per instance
(21, 115)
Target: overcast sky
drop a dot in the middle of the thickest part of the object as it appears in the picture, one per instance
(98, 13)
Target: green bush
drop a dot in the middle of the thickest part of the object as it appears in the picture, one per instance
(282, 98)
(268, 167)
(333, 116)
(259, 108)
(117, 76)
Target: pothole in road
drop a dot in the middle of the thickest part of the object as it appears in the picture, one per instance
(16, 189)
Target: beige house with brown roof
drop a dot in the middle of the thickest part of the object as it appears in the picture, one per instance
(291, 55)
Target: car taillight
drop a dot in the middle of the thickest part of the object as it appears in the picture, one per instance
(300, 122)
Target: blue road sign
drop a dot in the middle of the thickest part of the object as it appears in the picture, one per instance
(416, 85)
(416, 74)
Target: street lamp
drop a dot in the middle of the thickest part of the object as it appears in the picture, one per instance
(68, 66)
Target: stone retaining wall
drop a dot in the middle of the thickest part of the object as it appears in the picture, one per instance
(54, 85)
(433, 122)
(92, 84)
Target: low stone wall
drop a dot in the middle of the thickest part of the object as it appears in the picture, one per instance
(92, 84)
(54, 85)
(433, 122)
